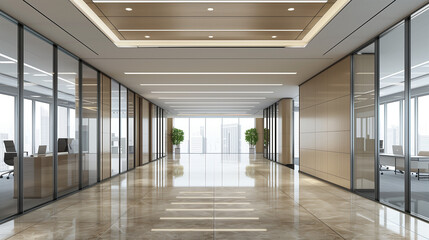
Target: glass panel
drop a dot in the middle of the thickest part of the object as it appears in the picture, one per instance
(131, 151)
(245, 124)
(364, 120)
(230, 133)
(124, 130)
(38, 168)
(145, 131)
(154, 131)
(9, 121)
(68, 144)
(183, 124)
(419, 118)
(197, 135)
(214, 135)
(296, 130)
(115, 128)
(89, 125)
(392, 94)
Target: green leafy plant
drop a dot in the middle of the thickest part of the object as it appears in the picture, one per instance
(251, 136)
(177, 136)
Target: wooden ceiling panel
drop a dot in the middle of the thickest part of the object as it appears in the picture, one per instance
(200, 10)
(210, 23)
(216, 35)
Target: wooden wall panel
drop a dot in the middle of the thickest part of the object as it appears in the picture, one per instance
(105, 126)
(325, 124)
(168, 133)
(259, 124)
(145, 131)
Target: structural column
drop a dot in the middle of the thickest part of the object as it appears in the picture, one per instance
(168, 140)
(285, 131)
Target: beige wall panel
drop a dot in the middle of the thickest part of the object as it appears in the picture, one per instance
(308, 140)
(259, 122)
(321, 141)
(339, 79)
(322, 117)
(308, 120)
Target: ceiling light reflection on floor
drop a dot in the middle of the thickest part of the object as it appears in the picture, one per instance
(209, 230)
(210, 203)
(210, 209)
(209, 218)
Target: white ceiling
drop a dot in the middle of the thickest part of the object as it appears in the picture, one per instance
(61, 22)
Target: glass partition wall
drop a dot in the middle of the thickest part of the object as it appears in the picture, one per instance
(50, 129)
(271, 132)
(390, 108)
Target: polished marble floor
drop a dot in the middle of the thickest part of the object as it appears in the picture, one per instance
(217, 196)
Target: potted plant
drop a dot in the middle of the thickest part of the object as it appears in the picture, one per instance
(177, 136)
(251, 137)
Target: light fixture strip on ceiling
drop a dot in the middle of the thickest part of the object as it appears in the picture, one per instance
(204, 109)
(213, 114)
(212, 102)
(212, 92)
(213, 98)
(211, 84)
(210, 30)
(210, 73)
(209, 1)
(212, 106)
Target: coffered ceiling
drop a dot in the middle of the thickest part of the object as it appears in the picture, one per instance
(176, 23)
(221, 81)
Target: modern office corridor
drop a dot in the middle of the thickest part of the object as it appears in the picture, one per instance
(214, 196)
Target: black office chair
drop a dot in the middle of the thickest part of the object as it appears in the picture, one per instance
(9, 156)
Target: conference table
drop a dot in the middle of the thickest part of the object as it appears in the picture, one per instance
(418, 164)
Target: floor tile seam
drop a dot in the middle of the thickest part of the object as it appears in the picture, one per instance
(32, 224)
(318, 219)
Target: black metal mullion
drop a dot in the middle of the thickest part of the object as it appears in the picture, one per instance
(55, 122)
(20, 139)
(80, 125)
(407, 113)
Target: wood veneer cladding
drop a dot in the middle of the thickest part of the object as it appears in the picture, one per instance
(106, 95)
(325, 124)
(285, 125)
(259, 122)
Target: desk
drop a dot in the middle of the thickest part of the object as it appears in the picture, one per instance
(39, 178)
(417, 163)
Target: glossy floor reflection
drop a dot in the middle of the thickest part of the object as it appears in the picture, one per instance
(235, 196)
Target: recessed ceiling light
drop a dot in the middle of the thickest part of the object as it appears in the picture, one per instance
(273, 36)
(147, 36)
(210, 73)
(210, 9)
(210, 36)
(128, 9)
(291, 9)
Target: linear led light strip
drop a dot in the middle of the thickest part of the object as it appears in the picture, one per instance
(213, 98)
(209, 230)
(217, 92)
(212, 106)
(210, 73)
(212, 114)
(209, 218)
(210, 84)
(210, 197)
(210, 30)
(212, 103)
(208, 110)
(208, 1)
(210, 203)
(210, 209)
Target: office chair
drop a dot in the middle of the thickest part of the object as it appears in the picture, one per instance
(9, 156)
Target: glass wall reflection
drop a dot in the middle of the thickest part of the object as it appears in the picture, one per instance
(68, 123)
(364, 121)
(9, 121)
(38, 91)
(123, 148)
(131, 117)
(391, 105)
(89, 125)
(115, 128)
(419, 118)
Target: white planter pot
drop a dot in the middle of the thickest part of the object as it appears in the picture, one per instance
(177, 150)
(251, 150)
